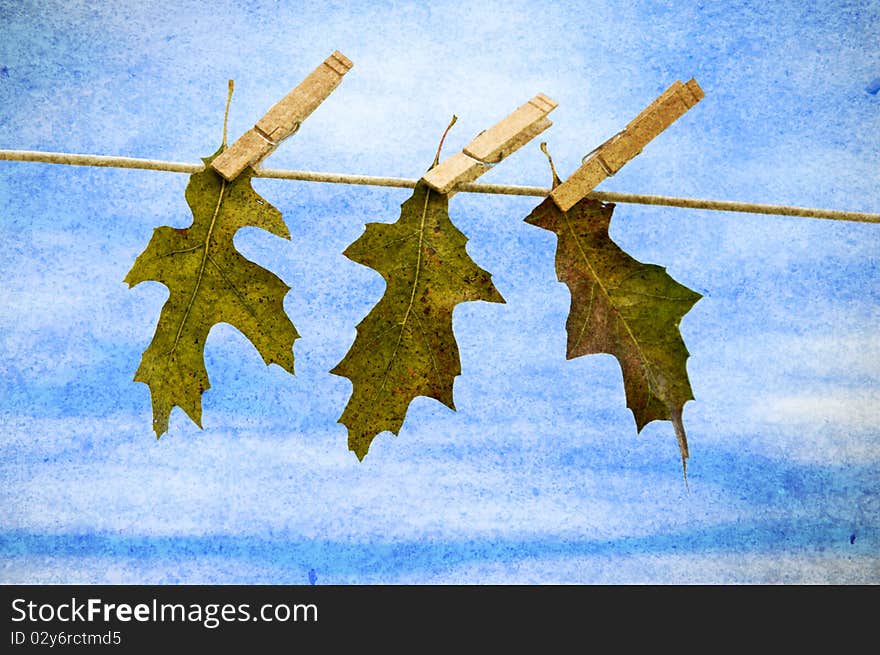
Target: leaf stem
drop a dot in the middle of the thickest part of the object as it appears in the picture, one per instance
(231, 88)
(556, 180)
(442, 139)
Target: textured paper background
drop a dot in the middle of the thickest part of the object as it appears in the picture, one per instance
(539, 477)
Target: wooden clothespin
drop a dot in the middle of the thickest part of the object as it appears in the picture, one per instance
(492, 145)
(283, 119)
(610, 157)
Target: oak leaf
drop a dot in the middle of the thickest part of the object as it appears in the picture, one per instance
(625, 308)
(210, 282)
(405, 346)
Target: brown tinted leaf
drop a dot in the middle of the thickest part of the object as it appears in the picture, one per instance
(625, 308)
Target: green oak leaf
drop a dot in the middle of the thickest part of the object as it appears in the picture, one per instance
(210, 282)
(625, 308)
(405, 346)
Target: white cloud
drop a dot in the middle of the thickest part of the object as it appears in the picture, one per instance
(831, 426)
(850, 409)
(110, 476)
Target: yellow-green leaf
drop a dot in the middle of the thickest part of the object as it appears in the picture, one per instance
(405, 346)
(210, 282)
(625, 308)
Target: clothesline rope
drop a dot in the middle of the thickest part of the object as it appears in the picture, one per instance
(503, 189)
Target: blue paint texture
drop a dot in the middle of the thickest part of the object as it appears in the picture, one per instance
(539, 477)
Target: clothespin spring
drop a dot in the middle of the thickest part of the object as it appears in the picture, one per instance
(608, 170)
(269, 140)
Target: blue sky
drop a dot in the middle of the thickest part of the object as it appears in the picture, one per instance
(539, 476)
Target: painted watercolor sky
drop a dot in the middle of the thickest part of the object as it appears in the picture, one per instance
(539, 477)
